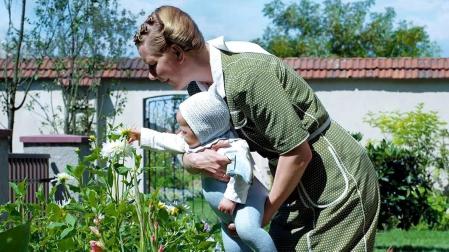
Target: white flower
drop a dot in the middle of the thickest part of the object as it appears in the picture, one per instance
(172, 210)
(117, 148)
(98, 219)
(64, 178)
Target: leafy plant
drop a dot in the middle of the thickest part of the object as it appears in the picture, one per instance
(404, 186)
(106, 210)
(412, 166)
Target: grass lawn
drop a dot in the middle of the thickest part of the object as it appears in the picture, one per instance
(413, 240)
(399, 240)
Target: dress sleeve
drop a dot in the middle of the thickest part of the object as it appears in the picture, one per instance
(262, 98)
(159, 141)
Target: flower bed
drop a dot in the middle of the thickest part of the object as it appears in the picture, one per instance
(107, 211)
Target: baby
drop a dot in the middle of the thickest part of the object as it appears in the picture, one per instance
(204, 120)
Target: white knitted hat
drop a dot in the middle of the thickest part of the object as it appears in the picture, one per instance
(207, 115)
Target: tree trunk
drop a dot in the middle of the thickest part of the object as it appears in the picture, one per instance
(11, 111)
(11, 115)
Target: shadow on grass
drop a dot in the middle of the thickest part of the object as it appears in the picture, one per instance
(408, 248)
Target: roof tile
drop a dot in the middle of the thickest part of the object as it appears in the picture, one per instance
(397, 68)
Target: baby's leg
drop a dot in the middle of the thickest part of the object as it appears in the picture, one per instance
(248, 220)
(213, 191)
(232, 243)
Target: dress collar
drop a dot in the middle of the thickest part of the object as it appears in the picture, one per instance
(217, 72)
(217, 44)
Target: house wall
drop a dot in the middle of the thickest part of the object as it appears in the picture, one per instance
(29, 119)
(347, 101)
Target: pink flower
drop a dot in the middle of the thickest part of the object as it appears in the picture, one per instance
(161, 248)
(95, 231)
(96, 246)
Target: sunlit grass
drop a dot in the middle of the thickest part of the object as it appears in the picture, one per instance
(413, 240)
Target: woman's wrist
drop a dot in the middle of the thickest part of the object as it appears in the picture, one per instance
(188, 162)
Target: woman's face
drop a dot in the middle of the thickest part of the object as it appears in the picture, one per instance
(167, 67)
(186, 132)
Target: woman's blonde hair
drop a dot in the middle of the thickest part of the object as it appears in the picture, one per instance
(169, 25)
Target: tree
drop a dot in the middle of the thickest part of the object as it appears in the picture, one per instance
(13, 79)
(342, 30)
(83, 37)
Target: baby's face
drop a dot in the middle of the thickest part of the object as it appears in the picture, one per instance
(186, 132)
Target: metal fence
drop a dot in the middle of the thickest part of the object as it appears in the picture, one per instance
(31, 167)
(164, 170)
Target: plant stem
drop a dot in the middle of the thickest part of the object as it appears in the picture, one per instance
(139, 212)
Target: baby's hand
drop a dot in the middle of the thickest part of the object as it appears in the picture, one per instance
(226, 206)
(133, 135)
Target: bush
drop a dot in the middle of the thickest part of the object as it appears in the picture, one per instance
(413, 168)
(420, 131)
(404, 187)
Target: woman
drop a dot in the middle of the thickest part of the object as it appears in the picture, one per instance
(324, 195)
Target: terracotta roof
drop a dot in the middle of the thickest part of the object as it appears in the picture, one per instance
(372, 68)
(309, 68)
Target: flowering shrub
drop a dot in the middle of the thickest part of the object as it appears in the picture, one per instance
(106, 211)
(413, 167)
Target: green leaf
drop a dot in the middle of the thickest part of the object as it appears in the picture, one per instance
(92, 157)
(110, 177)
(55, 225)
(18, 190)
(66, 232)
(79, 170)
(15, 239)
(92, 197)
(137, 160)
(40, 195)
(67, 245)
(70, 219)
(163, 216)
(122, 170)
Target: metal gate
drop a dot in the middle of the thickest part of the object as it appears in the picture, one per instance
(164, 172)
(31, 167)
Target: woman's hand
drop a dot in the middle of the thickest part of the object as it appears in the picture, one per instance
(133, 135)
(209, 162)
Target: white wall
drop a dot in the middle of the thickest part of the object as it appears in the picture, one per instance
(27, 122)
(347, 101)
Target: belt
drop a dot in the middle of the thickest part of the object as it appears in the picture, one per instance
(320, 130)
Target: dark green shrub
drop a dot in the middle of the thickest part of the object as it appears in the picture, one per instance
(423, 137)
(404, 186)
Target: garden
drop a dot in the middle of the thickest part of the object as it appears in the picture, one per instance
(104, 210)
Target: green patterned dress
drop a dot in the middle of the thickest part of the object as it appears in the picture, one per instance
(336, 205)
